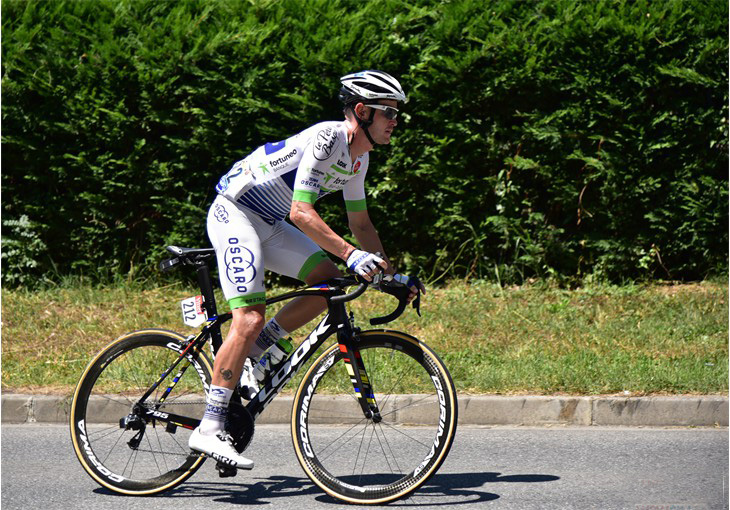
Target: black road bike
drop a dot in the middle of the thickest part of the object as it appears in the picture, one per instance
(139, 399)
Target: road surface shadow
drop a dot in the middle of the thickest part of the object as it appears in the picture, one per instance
(441, 489)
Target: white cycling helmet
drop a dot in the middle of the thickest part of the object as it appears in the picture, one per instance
(370, 85)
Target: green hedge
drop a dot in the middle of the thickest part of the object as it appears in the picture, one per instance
(554, 138)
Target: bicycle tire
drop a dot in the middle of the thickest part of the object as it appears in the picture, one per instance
(411, 386)
(106, 393)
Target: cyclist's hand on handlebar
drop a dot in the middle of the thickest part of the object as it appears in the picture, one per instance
(413, 284)
(365, 264)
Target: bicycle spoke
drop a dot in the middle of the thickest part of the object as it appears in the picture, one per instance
(154, 457)
(370, 441)
(390, 391)
(396, 429)
(340, 436)
(116, 401)
(108, 431)
(132, 456)
(359, 450)
(395, 459)
(385, 454)
(113, 446)
(159, 442)
(410, 405)
(183, 449)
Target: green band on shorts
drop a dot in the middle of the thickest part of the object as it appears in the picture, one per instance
(355, 205)
(312, 262)
(257, 298)
(305, 196)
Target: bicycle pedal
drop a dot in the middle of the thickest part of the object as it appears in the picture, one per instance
(226, 471)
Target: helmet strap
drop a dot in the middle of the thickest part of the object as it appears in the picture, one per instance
(365, 124)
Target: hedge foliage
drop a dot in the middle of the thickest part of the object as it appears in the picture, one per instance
(543, 138)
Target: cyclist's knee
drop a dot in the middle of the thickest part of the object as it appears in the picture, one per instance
(248, 321)
(323, 271)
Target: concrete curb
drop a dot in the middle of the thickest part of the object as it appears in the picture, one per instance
(697, 411)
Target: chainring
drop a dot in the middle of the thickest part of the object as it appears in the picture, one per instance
(239, 423)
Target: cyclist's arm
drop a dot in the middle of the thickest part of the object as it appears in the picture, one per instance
(364, 231)
(306, 218)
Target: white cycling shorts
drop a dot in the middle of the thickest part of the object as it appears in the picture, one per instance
(245, 244)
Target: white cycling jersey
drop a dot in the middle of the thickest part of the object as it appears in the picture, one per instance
(304, 167)
(245, 221)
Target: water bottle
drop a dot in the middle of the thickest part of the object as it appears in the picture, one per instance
(272, 357)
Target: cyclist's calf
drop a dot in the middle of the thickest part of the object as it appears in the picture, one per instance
(245, 328)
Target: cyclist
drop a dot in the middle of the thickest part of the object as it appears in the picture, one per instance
(247, 229)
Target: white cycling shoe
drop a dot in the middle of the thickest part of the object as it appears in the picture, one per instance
(248, 383)
(220, 447)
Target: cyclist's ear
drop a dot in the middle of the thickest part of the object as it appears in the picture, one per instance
(359, 112)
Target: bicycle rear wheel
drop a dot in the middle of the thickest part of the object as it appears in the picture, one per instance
(129, 446)
(356, 459)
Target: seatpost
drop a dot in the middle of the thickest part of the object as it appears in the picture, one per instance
(203, 274)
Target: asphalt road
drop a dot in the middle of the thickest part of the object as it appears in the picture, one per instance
(494, 468)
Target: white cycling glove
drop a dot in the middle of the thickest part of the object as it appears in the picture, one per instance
(363, 262)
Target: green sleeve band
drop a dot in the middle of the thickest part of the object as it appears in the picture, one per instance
(257, 298)
(310, 264)
(355, 205)
(305, 196)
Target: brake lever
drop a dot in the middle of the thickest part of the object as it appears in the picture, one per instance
(377, 280)
(417, 303)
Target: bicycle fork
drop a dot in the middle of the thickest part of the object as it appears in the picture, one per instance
(347, 340)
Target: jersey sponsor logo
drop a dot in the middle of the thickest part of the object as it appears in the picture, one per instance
(311, 183)
(357, 168)
(341, 164)
(323, 143)
(280, 161)
(337, 183)
(220, 213)
(239, 262)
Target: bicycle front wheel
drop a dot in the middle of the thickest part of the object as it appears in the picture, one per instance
(360, 460)
(129, 445)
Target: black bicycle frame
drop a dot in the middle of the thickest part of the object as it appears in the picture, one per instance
(336, 321)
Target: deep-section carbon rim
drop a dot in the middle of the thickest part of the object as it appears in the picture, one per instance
(355, 459)
(109, 390)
